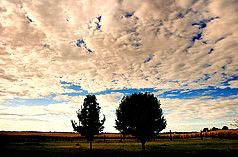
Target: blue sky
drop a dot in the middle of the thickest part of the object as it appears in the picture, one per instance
(210, 92)
(52, 56)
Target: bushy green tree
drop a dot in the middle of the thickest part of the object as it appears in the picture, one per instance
(140, 115)
(89, 121)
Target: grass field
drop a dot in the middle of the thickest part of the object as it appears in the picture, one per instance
(187, 146)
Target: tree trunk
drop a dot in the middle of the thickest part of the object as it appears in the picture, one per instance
(201, 135)
(91, 146)
(170, 135)
(143, 145)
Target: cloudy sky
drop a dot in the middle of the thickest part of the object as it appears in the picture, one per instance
(54, 52)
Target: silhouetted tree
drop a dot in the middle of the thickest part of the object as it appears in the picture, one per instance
(225, 128)
(214, 129)
(89, 122)
(205, 130)
(141, 116)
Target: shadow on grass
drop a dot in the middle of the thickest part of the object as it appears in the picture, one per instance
(75, 152)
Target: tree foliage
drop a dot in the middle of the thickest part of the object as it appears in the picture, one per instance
(225, 128)
(141, 116)
(89, 121)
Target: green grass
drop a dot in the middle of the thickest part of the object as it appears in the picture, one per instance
(184, 147)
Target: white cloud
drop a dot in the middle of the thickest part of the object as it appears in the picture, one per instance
(233, 84)
(55, 117)
(43, 118)
(181, 114)
(195, 114)
(152, 47)
(185, 3)
(44, 49)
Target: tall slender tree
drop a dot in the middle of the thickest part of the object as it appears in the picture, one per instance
(140, 115)
(89, 121)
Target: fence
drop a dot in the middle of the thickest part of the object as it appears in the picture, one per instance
(42, 137)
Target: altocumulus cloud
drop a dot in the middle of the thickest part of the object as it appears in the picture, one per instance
(49, 49)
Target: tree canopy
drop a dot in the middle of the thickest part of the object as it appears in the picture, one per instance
(140, 115)
(89, 121)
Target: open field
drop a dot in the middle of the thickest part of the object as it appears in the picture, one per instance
(14, 135)
(68, 145)
(185, 147)
(225, 134)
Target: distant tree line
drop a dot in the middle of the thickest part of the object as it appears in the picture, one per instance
(215, 129)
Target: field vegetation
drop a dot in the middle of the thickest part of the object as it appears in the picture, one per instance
(225, 134)
(213, 143)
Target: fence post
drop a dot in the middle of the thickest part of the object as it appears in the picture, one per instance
(201, 135)
(170, 135)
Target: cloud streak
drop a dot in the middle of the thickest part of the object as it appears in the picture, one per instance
(160, 45)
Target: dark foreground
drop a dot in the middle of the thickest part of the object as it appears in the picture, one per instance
(180, 147)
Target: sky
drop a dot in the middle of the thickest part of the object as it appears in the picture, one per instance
(53, 53)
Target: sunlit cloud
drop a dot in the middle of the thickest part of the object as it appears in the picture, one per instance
(55, 52)
(198, 113)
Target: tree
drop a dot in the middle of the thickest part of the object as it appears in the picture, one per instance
(89, 122)
(214, 129)
(141, 116)
(205, 130)
(225, 128)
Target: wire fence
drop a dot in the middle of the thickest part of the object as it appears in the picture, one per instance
(73, 137)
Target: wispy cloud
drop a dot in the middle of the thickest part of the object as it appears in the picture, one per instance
(195, 114)
(104, 49)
